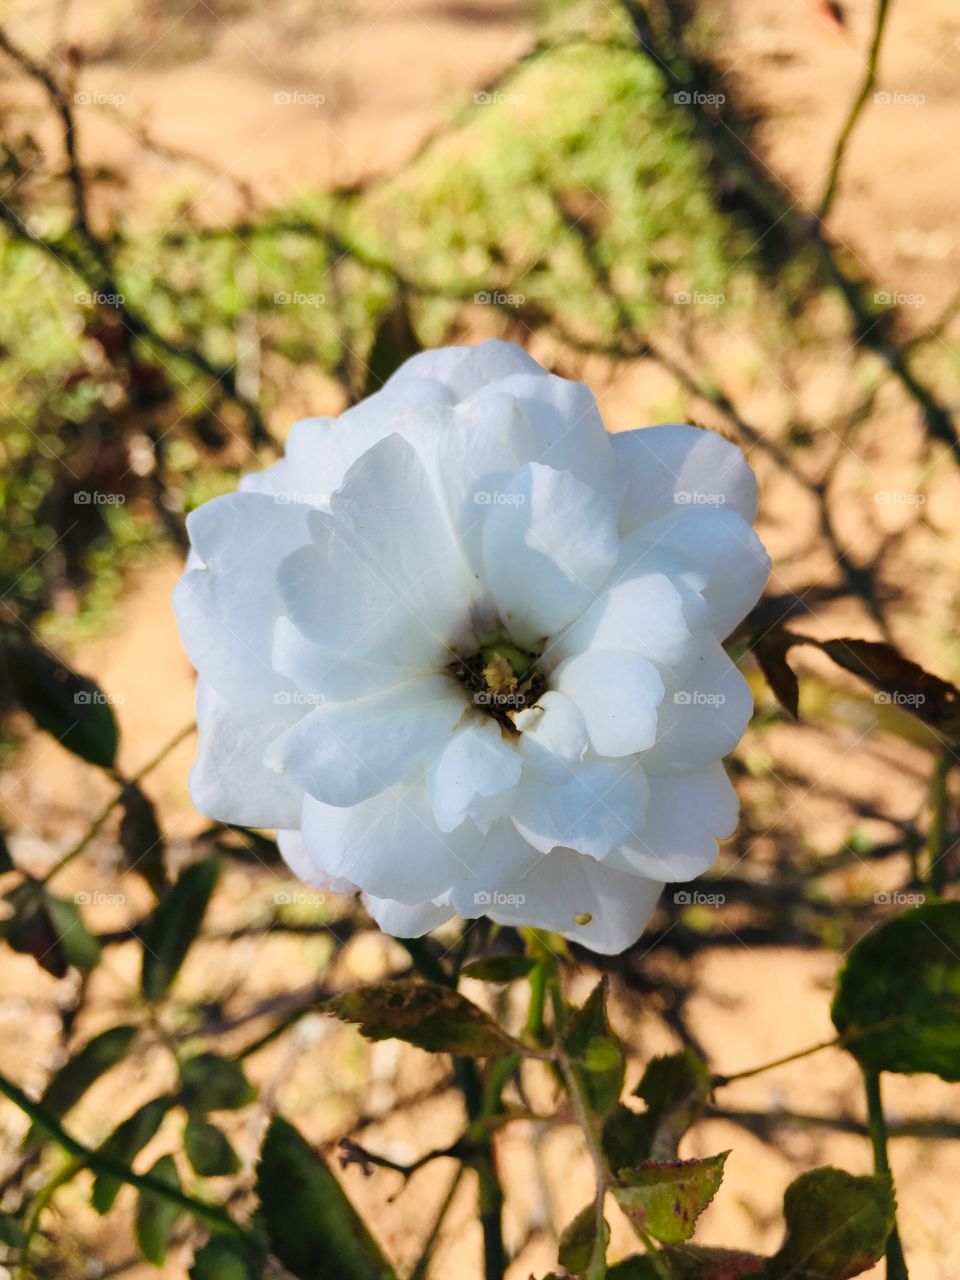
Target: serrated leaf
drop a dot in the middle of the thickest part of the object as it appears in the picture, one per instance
(64, 704)
(211, 1083)
(596, 1052)
(208, 1149)
(837, 1225)
(312, 1227)
(675, 1088)
(141, 838)
(667, 1196)
(223, 1258)
(125, 1143)
(425, 1014)
(81, 1070)
(498, 968)
(156, 1217)
(934, 701)
(897, 1003)
(579, 1238)
(693, 1262)
(174, 925)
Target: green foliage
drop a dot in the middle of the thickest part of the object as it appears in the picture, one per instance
(312, 1227)
(667, 1197)
(224, 1259)
(208, 1149)
(595, 1052)
(68, 706)
(837, 1226)
(157, 1217)
(81, 1070)
(675, 1088)
(498, 968)
(125, 1143)
(209, 1082)
(897, 1003)
(426, 1014)
(174, 926)
(579, 1240)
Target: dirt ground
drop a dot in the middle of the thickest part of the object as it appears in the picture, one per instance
(202, 78)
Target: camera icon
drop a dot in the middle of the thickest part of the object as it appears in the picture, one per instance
(883, 298)
(682, 899)
(483, 297)
(882, 899)
(883, 699)
(281, 898)
(82, 899)
(883, 98)
(83, 498)
(283, 98)
(682, 698)
(483, 98)
(682, 298)
(482, 899)
(283, 698)
(281, 299)
(482, 498)
(83, 698)
(682, 99)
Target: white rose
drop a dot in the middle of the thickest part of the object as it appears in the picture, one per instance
(462, 648)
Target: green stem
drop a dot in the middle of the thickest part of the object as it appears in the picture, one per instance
(866, 88)
(877, 1126)
(718, 1082)
(937, 833)
(100, 1162)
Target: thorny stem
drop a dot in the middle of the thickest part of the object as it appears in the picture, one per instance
(877, 1125)
(100, 1162)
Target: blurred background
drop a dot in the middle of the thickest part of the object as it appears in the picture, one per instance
(217, 217)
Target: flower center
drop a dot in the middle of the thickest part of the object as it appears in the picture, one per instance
(501, 680)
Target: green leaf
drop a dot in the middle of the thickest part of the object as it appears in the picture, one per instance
(223, 1258)
(675, 1088)
(80, 1071)
(897, 1004)
(141, 838)
(667, 1197)
(595, 1052)
(125, 1143)
(79, 946)
(64, 704)
(208, 1149)
(691, 1262)
(211, 1083)
(431, 1016)
(498, 968)
(11, 1234)
(579, 1239)
(174, 926)
(312, 1227)
(837, 1226)
(639, 1267)
(157, 1217)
